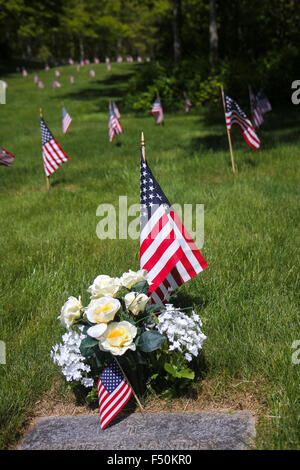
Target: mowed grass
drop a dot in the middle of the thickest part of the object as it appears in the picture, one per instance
(49, 248)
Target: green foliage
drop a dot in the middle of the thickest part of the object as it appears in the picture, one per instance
(149, 341)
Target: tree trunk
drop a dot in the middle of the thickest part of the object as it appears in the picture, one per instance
(177, 21)
(81, 48)
(213, 34)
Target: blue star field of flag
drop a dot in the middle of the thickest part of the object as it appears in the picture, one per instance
(46, 134)
(111, 377)
(231, 105)
(151, 194)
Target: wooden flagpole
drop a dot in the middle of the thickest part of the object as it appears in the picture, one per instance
(143, 146)
(228, 133)
(135, 395)
(47, 177)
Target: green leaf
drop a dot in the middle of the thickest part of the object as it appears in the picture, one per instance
(187, 374)
(87, 345)
(141, 287)
(150, 341)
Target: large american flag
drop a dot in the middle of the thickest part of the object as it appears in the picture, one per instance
(167, 251)
(157, 111)
(66, 120)
(113, 392)
(6, 158)
(114, 125)
(53, 154)
(235, 115)
(256, 111)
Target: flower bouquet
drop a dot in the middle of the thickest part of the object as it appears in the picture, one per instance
(118, 334)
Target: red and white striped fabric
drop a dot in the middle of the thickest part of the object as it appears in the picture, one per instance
(53, 154)
(256, 111)
(157, 111)
(167, 251)
(235, 115)
(113, 392)
(66, 120)
(114, 125)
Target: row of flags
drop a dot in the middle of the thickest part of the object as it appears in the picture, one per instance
(96, 61)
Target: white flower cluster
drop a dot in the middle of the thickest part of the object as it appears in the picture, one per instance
(183, 331)
(67, 355)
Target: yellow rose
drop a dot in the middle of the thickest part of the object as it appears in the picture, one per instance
(118, 337)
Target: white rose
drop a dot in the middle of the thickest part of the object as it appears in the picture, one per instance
(133, 277)
(136, 302)
(104, 285)
(70, 311)
(97, 331)
(118, 337)
(102, 310)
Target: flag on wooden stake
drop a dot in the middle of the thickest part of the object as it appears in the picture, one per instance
(53, 154)
(6, 158)
(157, 111)
(167, 250)
(235, 115)
(113, 392)
(114, 125)
(66, 120)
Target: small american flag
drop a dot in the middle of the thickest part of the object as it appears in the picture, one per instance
(119, 59)
(114, 125)
(167, 251)
(116, 110)
(57, 73)
(235, 115)
(6, 158)
(35, 78)
(113, 392)
(53, 154)
(92, 73)
(188, 105)
(256, 111)
(108, 66)
(72, 78)
(47, 68)
(71, 61)
(96, 60)
(24, 72)
(107, 60)
(263, 102)
(66, 120)
(87, 61)
(139, 59)
(157, 111)
(40, 84)
(78, 67)
(55, 83)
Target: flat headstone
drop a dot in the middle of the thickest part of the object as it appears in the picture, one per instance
(150, 431)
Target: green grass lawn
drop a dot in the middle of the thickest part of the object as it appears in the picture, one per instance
(49, 249)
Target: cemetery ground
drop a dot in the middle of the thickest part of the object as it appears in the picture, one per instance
(49, 248)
